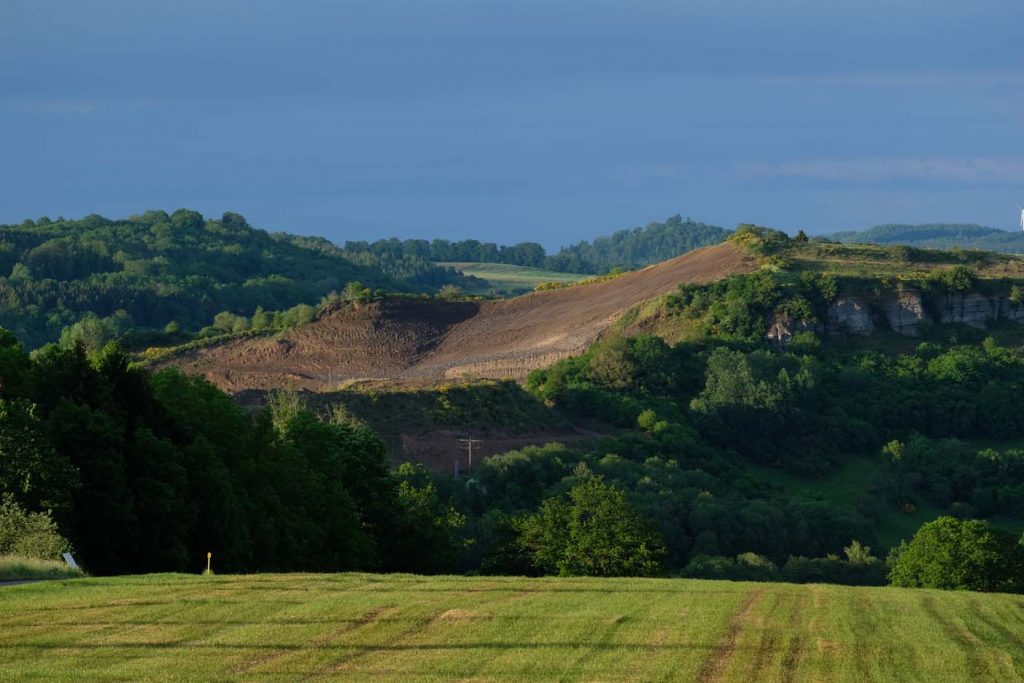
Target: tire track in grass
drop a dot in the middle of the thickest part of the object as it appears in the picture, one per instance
(769, 642)
(795, 648)
(968, 642)
(1016, 651)
(262, 660)
(864, 613)
(251, 663)
(416, 626)
(714, 667)
(595, 646)
(791, 606)
(979, 612)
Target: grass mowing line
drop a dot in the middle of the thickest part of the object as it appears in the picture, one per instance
(263, 659)
(367, 616)
(865, 619)
(440, 612)
(714, 667)
(1016, 645)
(966, 641)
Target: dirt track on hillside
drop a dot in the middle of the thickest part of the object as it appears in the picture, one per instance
(426, 342)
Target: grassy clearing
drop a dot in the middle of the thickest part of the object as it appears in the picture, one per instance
(506, 278)
(897, 262)
(854, 479)
(359, 627)
(16, 568)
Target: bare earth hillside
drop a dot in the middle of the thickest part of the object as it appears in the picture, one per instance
(426, 342)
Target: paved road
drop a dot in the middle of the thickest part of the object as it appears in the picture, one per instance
(18, 583)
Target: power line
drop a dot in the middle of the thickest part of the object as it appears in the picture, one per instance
(468, 445)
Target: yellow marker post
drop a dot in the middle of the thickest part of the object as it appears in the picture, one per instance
(209, 556)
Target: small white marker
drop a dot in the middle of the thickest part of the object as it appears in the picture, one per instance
(70, 560)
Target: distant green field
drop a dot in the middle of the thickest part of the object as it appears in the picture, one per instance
(504, 277)
(361, 627)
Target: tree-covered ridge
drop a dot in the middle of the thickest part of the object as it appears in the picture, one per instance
(157, 268)
(395, 259)
(938, 236)
(625, 249)
(637, 247)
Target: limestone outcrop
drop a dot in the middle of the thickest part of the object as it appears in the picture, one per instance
(904, 310)
(970, 309)
(850, 314)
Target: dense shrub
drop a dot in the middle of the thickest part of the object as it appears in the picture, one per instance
(592, 532)
(29, 534)
(954, 554)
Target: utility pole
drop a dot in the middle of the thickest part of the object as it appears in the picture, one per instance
(468, 445)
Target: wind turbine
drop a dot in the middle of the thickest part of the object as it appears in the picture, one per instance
(1021, 216)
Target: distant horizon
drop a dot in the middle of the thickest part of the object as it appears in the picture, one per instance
(548, 248)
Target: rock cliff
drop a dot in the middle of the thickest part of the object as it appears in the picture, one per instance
(902, 311)
(850, 314)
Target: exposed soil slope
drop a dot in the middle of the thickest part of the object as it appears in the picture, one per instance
(409, 341)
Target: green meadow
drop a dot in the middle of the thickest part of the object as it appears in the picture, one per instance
(365, 627)
(504, 277)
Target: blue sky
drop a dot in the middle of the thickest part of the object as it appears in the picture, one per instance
(507, 121)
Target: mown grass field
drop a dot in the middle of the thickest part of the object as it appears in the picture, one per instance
(504, 277)
(361, 627)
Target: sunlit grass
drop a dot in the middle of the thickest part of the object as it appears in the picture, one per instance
(506, 277)
(362, 627)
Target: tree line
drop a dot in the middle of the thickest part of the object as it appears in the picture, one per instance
(145, 472)
(624, 249)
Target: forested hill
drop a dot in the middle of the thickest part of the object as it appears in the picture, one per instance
(638, 247)
(97, 279)
(939, 236)
(156, 269)
(625, 249)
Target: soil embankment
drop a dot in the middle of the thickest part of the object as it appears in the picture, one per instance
(403, 341)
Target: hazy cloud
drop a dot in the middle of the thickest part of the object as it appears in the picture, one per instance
(52, 107)
(981, 170)
(901, 79)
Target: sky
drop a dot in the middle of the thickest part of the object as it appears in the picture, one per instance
(546, 121)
